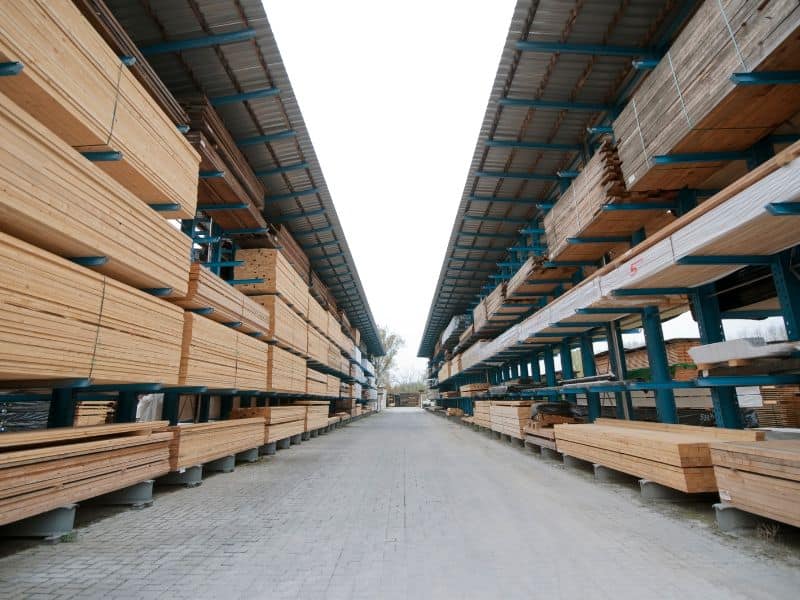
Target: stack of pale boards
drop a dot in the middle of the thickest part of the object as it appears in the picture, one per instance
(281, 422)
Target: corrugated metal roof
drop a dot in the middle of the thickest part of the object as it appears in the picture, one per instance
(493, 208)
(243, 66)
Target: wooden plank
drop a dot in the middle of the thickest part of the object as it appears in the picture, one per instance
(770, 497)
(279, 277)
(286, 372)
(198, 443)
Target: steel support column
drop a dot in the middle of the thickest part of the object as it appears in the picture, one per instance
(567, 370)
(62, 408)
(659, 364)
(709, 320)
(549, 367)
(127, 402)
(616, 356)
(787, 284)
(536, 374)
(589, 370)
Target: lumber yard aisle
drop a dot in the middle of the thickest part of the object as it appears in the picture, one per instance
(482, 520)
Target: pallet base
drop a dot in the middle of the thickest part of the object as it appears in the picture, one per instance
(248, 456)
(138, 495)
(226, 464)
(50, 525)
(730, 518)
(606, 475)
(189, 477)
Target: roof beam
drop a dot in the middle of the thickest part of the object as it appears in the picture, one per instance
(280, 170)
(320, 244)
(591, 49)
(244, 96)
(205, 41)
(556, 105)
(512, 175)
(534, 201)
(488, 219)
(291, 195)
(265, 139)
(290, 216)
(534, 145)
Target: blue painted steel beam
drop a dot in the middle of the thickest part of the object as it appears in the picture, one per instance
(490, 219)
(645, 64)
(698, 157)
(165, 207)
(751, 314)
(103, 156)
(609, 239)
(223, 263)
(784, 209)
(664, 385)
(89, 261)
(666, 291)
(509, 175)
(766, 78)
(578, 324)
(215, 207)
(290, 195)
(532, 231)
(551, 105)
(587, 49)
(544, 146)
(747, 380)
(659, 364)
(320, 244)
(265, 139)
(280, 170)
(509, 264)
(244, 96)
(600, 130)
(247, 231)
(506, 200)
(291, 216)
(158, 292)
(211, 174)
(334, 255)
(590, 370)
(245, 281)
(202, 311)
(744, 259)
(641, 206)
(568, 174)
(8, 69)
(205, 41)
(787, 286)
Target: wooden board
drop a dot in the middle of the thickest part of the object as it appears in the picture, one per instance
(316, 383)
(59, 320)
(198, 443)
(770, 497)
(318, 346)
(332, 386)
(207, 290)
(279, 277)
(75, 84)
(287, 328)
(56, 199)
(317, 316)
(286, 372)
(316, 413)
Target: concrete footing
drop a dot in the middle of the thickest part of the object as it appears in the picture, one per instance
(306, 435)
(283, 444)
(268, 449)
(661, 493)
(50, 525)
(576, 463)
(226, 464)
(533, 448)
(517, 442)
(190, 477)
(551, 454)
(296, 439)
(248, 456)
(137, 495)
(606, 475)
(730, 518)
(496, 434)
(314, 433)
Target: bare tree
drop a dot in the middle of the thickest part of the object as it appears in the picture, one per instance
(384, 365)
(408, 381)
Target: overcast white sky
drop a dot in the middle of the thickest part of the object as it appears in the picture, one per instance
(393, 94)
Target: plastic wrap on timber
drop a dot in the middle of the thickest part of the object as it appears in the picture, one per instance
(220, 357)
(688, 103)
(207, 290)
(278, 277)
(760, 477)
(286, 327)
(198, 443)
(44, 469)
(677, 456)
(60, 320)
(286, 372)
(57, 200)
(76, 85)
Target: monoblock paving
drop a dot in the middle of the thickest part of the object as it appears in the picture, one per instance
(401, 505)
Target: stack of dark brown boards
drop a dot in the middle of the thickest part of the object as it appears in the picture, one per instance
(688, 103)
(760, 477)
(42, 470)
(198, 443)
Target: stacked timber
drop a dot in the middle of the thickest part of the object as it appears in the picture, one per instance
(580, 211)
(480, 318)
(318, 346)
(76, 86)
(344, 364)
(780, 406)
(287, 328)
(760, 477)
(60, 320)
(280, 422)
(286, 372)
(335, 334)
(316, 413)
(454, 412)
(229, 305)
(444, 371)
(220, 357)
(676, 456)
(278, 276)
(449, 337)
(510, 417)
(316, 383)
(334, 357)
(472, 389)
(317, 316)
(45, 469)
(332, 386)
(688, 103)
(322, 293)
(84, 219)
(197, 443)
(481, 413)
(93, 412)
(294, 253)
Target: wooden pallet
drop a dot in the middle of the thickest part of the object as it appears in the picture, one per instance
(43, 469)
(198, 443)
(78, 88)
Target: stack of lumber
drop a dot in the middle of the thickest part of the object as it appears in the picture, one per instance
(318, 346)
(455, 412)
(45, 469)
(466, 335)
(334, 357)
(335, 333)
(676, 456)
(688, 102)
(356, 410)
(332, 386)
(207, 290)
(321, 292)
(77, 87)
(316, 413)
(343, 416)
(544, 437)
(294, 253)
(93, 412)
(480, 318)
(760, 477)
(344, 364)
(481, 413)
(472, 389)
(198, 443)
(280, 422)
(510, 416)
(680, 362)
(60, 320)
(444, 371)
(317, 316)
(287, 328)
(580, 212)
(780, 406)
(316, 383)
(334, 419)
(85, 218)
(449, 337)
(279, 277)
(220, 357)
(286, 372)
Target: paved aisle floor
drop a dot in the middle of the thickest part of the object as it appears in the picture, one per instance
(402, 505)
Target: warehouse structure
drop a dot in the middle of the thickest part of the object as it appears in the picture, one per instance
(637, 160)
(176, 289)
